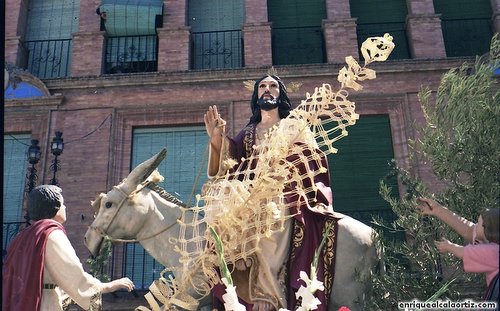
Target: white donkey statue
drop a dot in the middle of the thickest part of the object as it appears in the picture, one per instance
(138, 210)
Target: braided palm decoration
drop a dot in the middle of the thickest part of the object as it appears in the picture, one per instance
(244, 210)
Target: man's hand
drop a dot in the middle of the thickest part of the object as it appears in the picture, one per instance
(214, 124)
(123, 283)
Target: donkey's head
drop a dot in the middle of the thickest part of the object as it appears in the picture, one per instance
(122, 212)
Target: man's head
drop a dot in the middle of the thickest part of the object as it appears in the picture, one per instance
(44, 202)
(269, 93)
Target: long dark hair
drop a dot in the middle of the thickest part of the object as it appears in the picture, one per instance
(491, 224)
(284, 105)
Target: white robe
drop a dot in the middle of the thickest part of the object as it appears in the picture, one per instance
(63, 268)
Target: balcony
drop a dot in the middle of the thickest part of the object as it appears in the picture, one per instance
(216, 49)
(297, 45)
(49, 58)
(466, 37)
(131, 54)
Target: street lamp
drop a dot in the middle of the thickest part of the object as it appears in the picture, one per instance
(57, 147)
(33, 156)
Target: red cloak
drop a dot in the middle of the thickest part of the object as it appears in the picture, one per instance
(22, 277)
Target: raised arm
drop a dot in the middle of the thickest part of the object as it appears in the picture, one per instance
(461, 225)
(215, 127)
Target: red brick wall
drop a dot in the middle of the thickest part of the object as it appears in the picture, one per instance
(340, 39)
(338, 9)
(87, 53)
(84, 165)
(177, 96)
(89, 20)
(15, 17)
(15, 27)
(173, 49)
(257, 44)
(419, 28)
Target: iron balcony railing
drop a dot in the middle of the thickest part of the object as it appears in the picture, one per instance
(139, 266)
(10, 230)
(466, 37)
(131, 54)
(49, 58)
(396, 30)
(216, 49)
(132, 261)
(298, 45)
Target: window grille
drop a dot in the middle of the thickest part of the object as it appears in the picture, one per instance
(14, 174)
(131, 54)
(297, 36)
(216, 40)
(131, 43)
(48, 41)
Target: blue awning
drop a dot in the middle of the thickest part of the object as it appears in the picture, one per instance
(131, 17)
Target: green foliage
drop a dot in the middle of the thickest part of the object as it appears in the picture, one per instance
(413, 266)
(97, 264)
(461, 141)
(460, 144)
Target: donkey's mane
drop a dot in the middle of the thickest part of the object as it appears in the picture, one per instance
(165, 195)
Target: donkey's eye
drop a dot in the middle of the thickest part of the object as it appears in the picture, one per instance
(108, 204)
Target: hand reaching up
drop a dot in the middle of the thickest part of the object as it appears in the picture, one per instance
(427, 206)
(214, 124)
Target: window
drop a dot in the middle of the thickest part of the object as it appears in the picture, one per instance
(14, 174)
(50, 24)
(297, 37)
(466, 26)
(131, 43)
(184, 169)
(356, 169)
(22, 90)
(376, 17)
(216, 33)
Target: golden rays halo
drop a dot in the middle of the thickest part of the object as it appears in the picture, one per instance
(290, 87)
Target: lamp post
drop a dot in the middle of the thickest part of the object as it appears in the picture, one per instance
(33, 156)
(57, 147)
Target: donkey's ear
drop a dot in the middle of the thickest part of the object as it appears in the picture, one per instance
(143, 170)
(156, 162)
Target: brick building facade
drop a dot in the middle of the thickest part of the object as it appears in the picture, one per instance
(177, 95)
